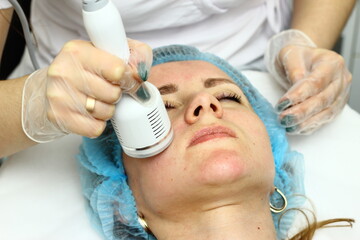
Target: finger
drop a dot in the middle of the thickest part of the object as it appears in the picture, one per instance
(78, 124)
(139, 65)
(312, 124)
(70, 102)
(101, 110)
(315, 122)
(86, 82)
(301, 112)
(96, 61)
(70, 116)
(291, 58)
(140, 58)
(140, 51)
(322, 73)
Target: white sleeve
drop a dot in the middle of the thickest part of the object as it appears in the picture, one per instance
(5, 4)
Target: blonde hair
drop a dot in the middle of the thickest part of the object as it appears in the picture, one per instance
(308, 232)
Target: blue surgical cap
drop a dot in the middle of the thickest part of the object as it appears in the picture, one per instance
(109, 197)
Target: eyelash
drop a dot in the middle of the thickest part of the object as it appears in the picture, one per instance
(229, 96)
(168, 105)
(223, 96)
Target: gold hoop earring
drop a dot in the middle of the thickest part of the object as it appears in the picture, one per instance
(143, 224)
(276, 209)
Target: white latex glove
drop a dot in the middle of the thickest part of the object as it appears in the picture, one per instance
(54, 98)
(317, 81)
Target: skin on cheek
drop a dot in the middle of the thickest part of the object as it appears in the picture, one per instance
(264, 165)
(163, 176)
(159, 174)
(149, 182)
(256, 148)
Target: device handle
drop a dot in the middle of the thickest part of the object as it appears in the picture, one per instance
(105, 28)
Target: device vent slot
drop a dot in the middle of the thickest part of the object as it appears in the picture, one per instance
(160, 132)
(152, 113)
(154, 118)
(157, 129)
(156, 123)
(155, 126)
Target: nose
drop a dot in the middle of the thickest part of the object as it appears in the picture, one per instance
(201, 105)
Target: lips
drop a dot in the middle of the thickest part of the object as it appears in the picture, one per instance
(210, 133)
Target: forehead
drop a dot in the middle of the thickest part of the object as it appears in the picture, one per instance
(183, 72)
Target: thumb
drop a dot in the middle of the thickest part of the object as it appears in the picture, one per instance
(140, 60)
(294, 64)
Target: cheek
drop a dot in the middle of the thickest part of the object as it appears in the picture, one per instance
(154, 179)
(259, 146)
(161, 166)
(158, 171)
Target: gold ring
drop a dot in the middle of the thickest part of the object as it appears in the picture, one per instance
(90, 104)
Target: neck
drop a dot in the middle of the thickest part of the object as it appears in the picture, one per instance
(235, 221)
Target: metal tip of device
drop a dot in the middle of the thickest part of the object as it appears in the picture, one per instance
(142, 93)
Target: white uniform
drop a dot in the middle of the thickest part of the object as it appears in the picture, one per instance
(236, 30)
(4, 4)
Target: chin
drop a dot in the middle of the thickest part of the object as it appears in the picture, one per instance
(221, 166)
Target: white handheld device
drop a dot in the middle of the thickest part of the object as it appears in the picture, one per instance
(140, 121)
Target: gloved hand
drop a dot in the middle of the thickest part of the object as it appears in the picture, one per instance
(77, 93)
(317, 81)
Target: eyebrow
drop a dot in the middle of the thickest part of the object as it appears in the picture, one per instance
(208, 83)
(168, 89)
(212, 82)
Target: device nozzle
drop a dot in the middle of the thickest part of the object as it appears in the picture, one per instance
(142, 93)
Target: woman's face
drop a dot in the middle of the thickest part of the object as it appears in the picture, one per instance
(220, 152)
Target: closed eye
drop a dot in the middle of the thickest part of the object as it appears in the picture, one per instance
(223, 96)
(228, 96)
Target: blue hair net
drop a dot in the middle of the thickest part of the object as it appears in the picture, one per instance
(111, 203)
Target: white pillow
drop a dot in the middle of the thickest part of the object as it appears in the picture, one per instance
(332, 164)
